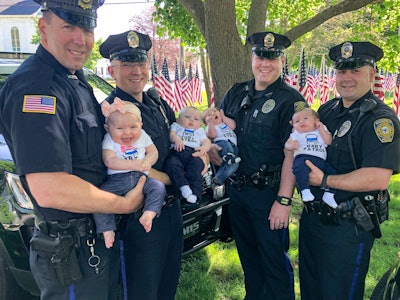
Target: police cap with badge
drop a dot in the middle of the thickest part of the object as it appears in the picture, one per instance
(81, 13)
(353, 55)
(129, 46)
(268, 44)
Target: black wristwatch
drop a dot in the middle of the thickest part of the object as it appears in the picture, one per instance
(284, 200)
(324, 185)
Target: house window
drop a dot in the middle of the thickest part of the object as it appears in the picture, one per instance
(15, 41)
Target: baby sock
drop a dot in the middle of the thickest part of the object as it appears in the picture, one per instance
(186, 191)
(306, 195)
(329, 199)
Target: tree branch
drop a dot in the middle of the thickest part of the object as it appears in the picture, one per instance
(195, 8)
(330, 12)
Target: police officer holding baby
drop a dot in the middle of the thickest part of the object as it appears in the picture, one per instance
(260, 196)
(335, 245)
(153, 259)
(53, 126)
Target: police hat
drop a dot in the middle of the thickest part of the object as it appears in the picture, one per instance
(128, 46)
(81, 13)
(268, 44)
(353, 55)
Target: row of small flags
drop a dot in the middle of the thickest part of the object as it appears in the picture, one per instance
(183, 91)
(186, 89)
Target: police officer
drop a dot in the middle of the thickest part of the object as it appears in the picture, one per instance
(335, 254)
(54, 128)
(152, 259)
(260, 195)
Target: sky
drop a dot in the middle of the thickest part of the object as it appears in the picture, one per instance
(113, 16)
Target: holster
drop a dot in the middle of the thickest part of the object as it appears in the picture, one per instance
(64, 256)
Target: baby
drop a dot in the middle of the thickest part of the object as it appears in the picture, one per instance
(128, 153)
(309, 140)
(220, 129)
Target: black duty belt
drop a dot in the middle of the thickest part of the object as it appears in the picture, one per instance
(258, 181)
(82, 226)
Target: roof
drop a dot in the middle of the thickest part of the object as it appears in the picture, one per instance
(27, 7)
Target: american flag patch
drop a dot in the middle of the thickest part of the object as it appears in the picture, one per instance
(39, 104)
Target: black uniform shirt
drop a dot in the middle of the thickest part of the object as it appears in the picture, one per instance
(155, 123)
(263, 127)
(52, 123)
(375, 139)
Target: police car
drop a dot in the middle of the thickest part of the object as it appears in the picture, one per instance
(201, 226)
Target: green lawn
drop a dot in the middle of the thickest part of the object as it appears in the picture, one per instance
(214, 273)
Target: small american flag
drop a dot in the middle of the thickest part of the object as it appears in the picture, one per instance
(39, 104)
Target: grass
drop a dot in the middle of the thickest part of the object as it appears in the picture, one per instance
(214, 273)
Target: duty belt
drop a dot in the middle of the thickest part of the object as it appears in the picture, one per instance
(259, 182)
(80, 226)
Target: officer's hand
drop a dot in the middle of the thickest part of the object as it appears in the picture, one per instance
(214, 156)
(134, 198)
(315, 175)
(279, 216)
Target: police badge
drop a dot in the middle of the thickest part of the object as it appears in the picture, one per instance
(347, 50)
(133, 39)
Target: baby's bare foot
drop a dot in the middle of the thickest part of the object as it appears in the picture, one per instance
(147, 220)
(109, 237)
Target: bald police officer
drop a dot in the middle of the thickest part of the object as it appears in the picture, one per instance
(260, 195)
(335, 246)
(54, 128)
(152, 259)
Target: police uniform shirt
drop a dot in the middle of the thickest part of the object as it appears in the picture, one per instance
(154, 122)
(376, 140)
(52, 123)
(262, 127)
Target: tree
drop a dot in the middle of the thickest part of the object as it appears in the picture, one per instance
(223, 25)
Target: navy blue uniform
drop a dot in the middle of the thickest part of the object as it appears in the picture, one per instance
(52, 123)
(262, 128)
(153, 260)
(345, 248)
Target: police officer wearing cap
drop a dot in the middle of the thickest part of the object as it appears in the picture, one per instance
(334, 252)
(152, 260)
(261, 192)
(54, 128)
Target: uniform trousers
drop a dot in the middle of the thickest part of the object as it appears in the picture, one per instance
(333, 259)
(93, 286)
(152, 261)
(267, 268)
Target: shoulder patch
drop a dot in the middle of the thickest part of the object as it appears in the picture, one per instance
(299, 105)
(39, 104)
(384, 130)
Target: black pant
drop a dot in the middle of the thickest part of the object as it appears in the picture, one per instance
(152, 260)
(333, 259)
(262, 251)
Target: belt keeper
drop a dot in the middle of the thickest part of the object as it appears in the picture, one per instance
(284, 200)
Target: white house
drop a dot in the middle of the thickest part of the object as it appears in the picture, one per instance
(17, 25)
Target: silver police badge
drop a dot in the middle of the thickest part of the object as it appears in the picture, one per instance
(344, 128)
(269, 40)
(347, 50)
(133, 39)
(268, 106)
(384, 130)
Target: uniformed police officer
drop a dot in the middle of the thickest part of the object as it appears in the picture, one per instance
(335, 252)
(54, 128)
(260, 195)
(152, 259)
